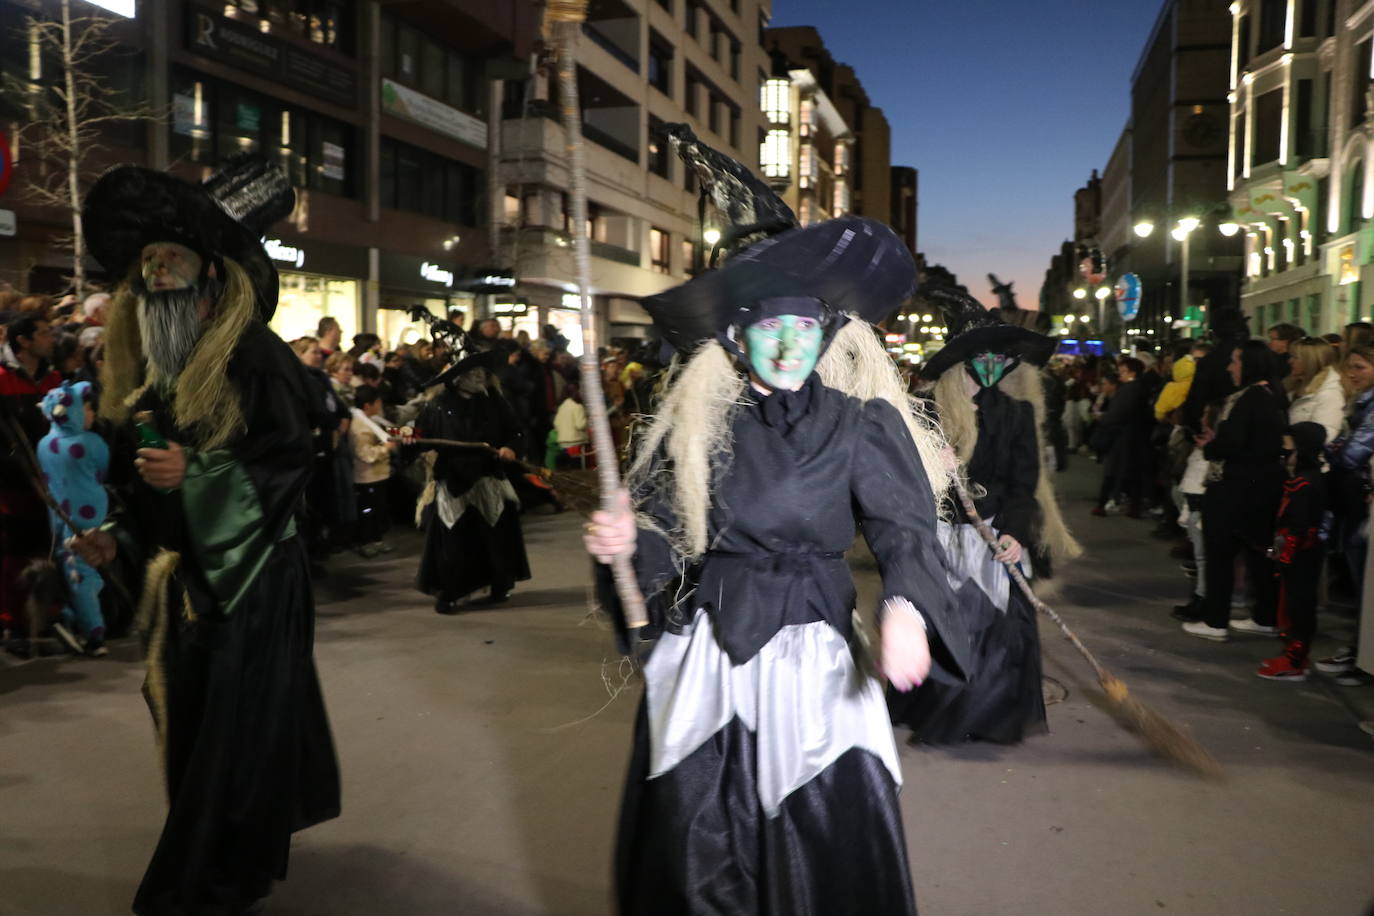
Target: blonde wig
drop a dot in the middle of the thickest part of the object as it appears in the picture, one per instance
(1313, 357)
(205, 401)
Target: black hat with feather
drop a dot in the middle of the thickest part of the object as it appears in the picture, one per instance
(225, 216)
(975, 329)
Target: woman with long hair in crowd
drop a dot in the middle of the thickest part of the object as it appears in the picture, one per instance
(1314, 384)
(1242, 497)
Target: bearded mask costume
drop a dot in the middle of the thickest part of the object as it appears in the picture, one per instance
(227, 614)
(764, 775)
(987, 394)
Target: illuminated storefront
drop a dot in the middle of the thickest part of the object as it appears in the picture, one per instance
(409, 281)
(317, 280)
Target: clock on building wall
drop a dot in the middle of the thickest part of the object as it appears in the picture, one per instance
(1202, 130)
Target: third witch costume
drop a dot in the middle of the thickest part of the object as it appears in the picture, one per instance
(764, 773)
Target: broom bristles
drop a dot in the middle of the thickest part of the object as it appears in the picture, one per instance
(1158, 733)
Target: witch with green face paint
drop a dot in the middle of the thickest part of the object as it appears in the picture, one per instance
(763, 757)
(985, 388)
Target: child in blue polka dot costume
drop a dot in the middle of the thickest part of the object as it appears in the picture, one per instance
(74, 463)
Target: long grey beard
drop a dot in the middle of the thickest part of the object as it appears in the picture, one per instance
(169, 324)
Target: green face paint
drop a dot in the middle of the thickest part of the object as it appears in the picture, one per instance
(784, 349)
(990, 368)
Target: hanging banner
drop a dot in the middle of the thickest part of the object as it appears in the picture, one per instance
(6, 163)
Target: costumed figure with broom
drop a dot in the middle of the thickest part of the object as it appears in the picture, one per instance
(986, 390)
(764, 773)
(469, 510)
(214, 414)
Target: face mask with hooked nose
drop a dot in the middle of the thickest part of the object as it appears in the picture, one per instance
(988, 369)
(783, 349)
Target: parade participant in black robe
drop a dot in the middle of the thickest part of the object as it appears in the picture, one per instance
(470, 512)
(987, 392)
(764, 774)
(223, 412)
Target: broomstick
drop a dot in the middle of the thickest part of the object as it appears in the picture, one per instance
(563, 18)
(583, 494)
(1158, 733)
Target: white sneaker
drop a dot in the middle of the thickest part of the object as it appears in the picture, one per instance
(68, 638)
(1339, 662)
(1248, 625)
(1201, 630)
(1367, 726)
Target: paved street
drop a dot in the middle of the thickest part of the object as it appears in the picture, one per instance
(482, 758)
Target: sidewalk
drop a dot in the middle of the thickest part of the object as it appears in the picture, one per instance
(482, 759)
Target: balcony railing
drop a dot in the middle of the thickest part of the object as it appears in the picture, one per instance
(602, 138)
(543, 236)
(615, 253)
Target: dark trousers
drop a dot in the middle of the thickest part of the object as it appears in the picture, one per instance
(1223, 545)
(372, 511)
(1298, 597)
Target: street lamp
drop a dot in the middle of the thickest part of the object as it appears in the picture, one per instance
(1080, 293)
(1085, 318)
(1102, 292)
(1182, 232)
(1228, 228)
(711, 236)
(1144, 228)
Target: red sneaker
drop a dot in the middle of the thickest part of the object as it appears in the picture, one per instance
(1099, 511)
(1282, 668)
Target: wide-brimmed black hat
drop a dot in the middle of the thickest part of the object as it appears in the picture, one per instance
(130, 207)
(490, 359)
(974, 329)
(852, 264)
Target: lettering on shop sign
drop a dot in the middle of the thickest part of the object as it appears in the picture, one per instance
(286, 254)
(492, 280)
(436, 274)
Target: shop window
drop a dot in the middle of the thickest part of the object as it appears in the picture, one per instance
(306, 298)
(329, 156)
(659, 242)
(660, 63)
(192, 120)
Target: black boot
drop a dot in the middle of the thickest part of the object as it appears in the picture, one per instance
(1190, 612)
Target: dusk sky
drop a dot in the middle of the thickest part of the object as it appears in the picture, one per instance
(1005, 107)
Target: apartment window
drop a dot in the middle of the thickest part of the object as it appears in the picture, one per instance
(689, 257)
(1238, 156)
(660, 63)
(1307, 25)
(689, 101)
(666, 4)
(1329, 26)
(806, 117)
(1306, 135)
(1359, 83)
(734, 126)
(660, 157)
(419, 181)
(323, 22)
(713, 104)
(212, 120)
(734, 59)
(659, 242)
(1273, 15)
(1268, 127)
(416, 60)
(692, 12)
(1243, 40)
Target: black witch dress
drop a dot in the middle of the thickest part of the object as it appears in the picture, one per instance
(1002, 700)
(229, 629)
(472, 527)
(764, 773)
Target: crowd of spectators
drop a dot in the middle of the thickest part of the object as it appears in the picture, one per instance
(1254, 455)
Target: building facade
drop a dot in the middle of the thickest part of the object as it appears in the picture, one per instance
(1299, 160)
(643, 64)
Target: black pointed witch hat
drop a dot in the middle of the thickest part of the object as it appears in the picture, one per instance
(974, 329)
(224, 216)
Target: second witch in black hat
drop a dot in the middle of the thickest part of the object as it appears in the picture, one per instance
(986, 390)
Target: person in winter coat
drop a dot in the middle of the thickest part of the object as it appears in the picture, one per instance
(1316, 386)
(1241, 502)
(1176, 390)
(1297, 550)
(372, 449)
(1350, 489)
(1122, 435)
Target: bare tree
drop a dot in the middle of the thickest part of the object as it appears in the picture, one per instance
(69, 117)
